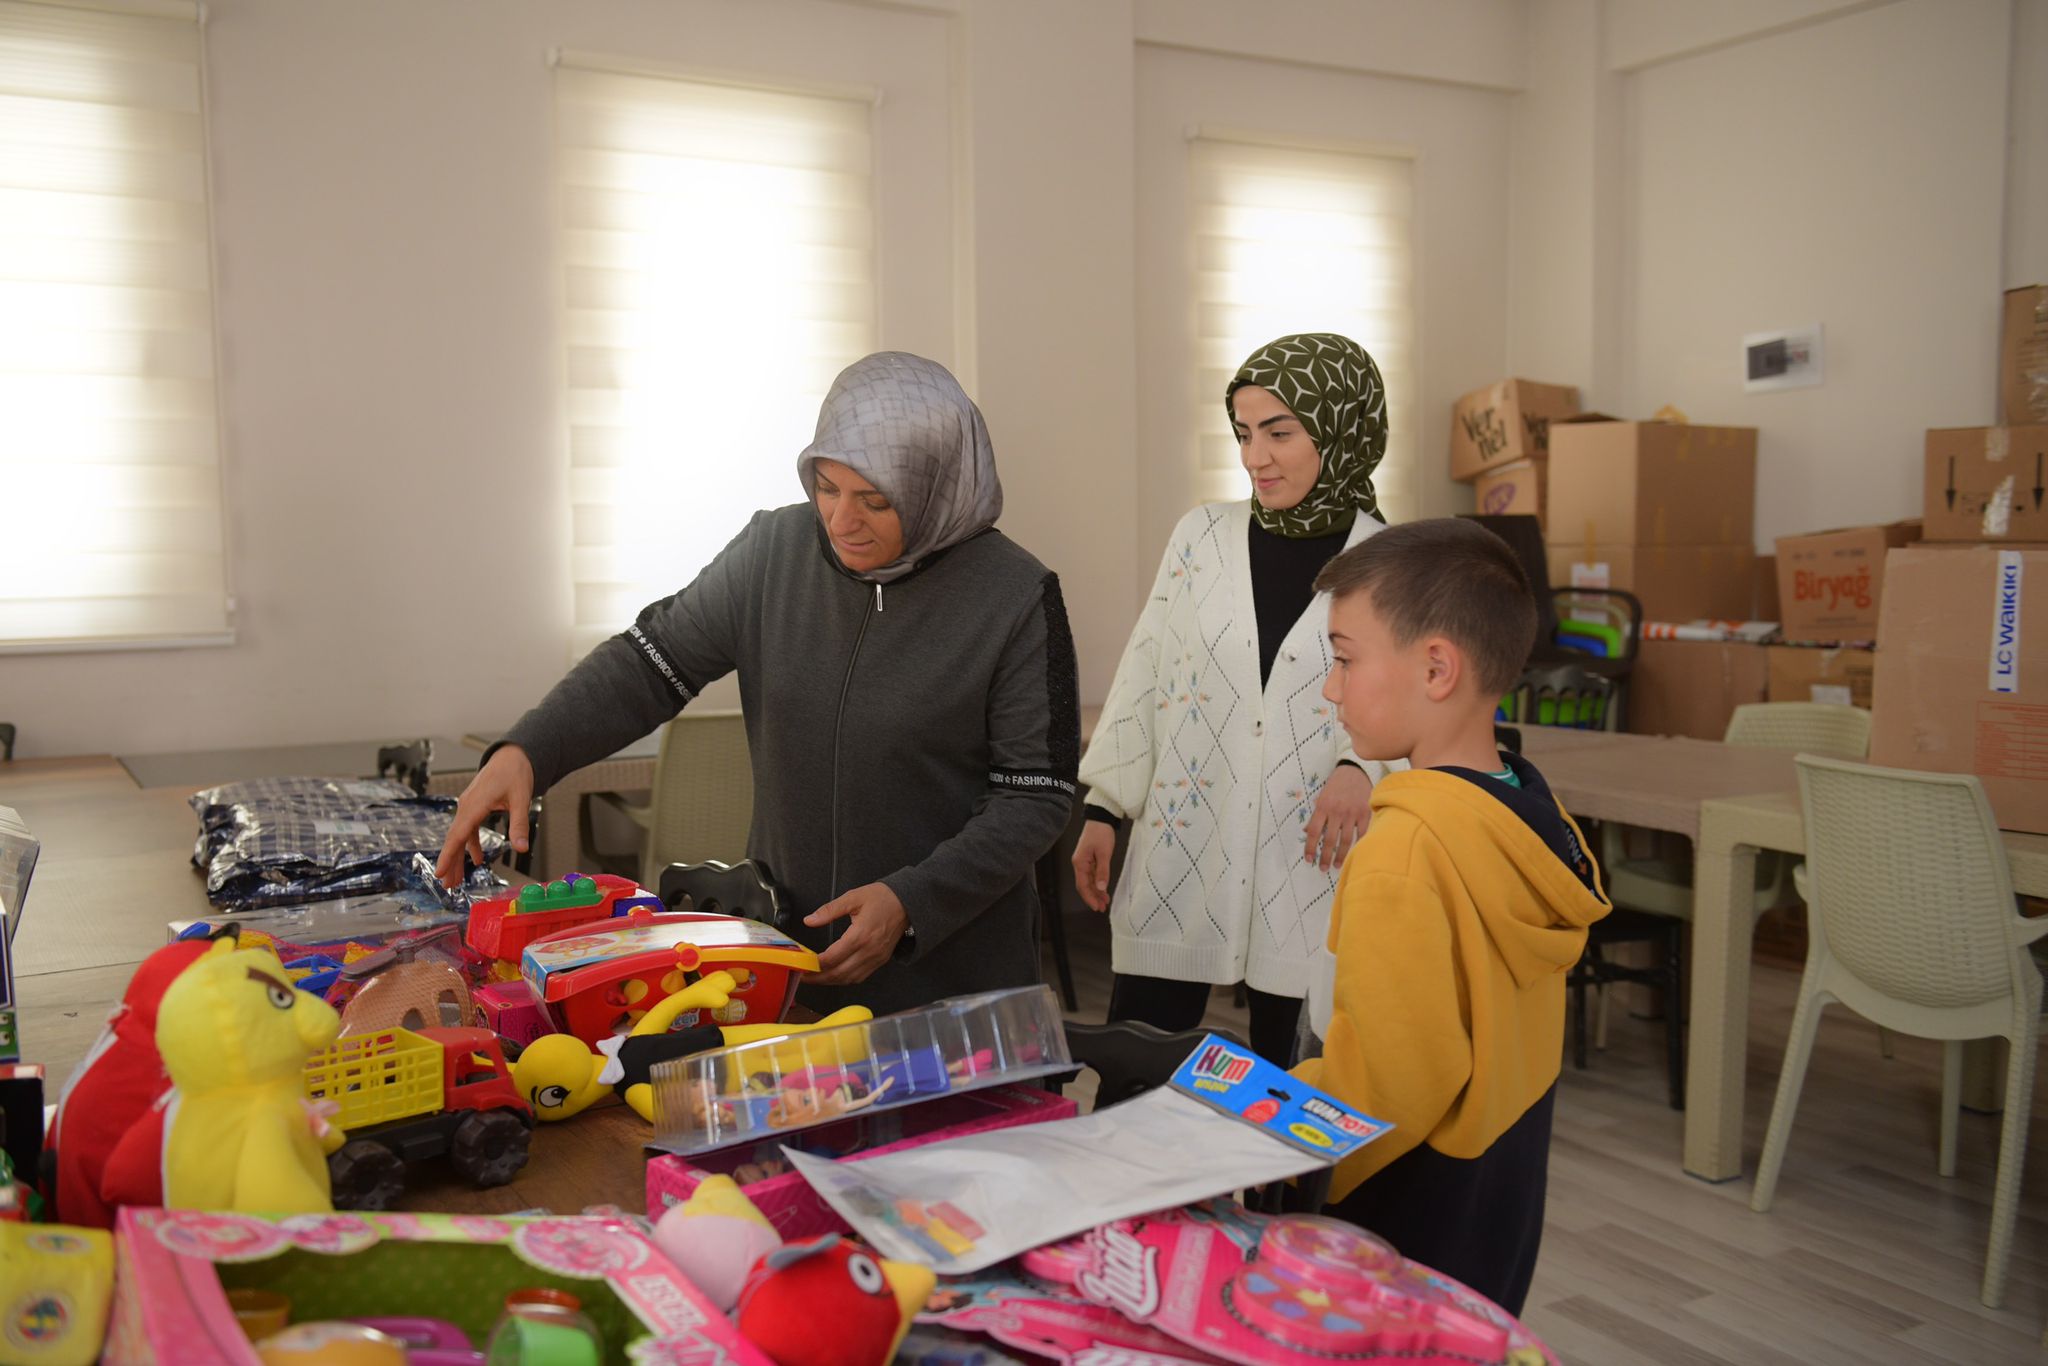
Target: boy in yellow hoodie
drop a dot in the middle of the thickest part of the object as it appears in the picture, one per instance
(1457, 915)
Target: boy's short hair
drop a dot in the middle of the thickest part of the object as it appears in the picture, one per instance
(1445, 577)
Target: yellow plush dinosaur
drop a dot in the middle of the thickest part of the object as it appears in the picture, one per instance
(560, 1077)
(239, 1133)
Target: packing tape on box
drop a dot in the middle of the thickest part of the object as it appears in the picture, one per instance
(1997, 445)
(1998, 510)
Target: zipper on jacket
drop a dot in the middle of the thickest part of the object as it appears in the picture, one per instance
(838, 720)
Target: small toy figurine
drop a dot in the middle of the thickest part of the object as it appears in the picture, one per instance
(830, 1302)
(562, 1077)
(121, 1078)
(240, 1135)
(715, 1237)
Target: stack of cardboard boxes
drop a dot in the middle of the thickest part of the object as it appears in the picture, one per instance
(1500, 443)
(1662, 509)
(1830, 586)
(1962, 666)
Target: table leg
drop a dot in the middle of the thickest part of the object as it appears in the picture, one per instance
(1722, 927)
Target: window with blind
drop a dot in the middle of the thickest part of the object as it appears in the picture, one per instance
(110, 489)
(1289, 238)
(718, 241)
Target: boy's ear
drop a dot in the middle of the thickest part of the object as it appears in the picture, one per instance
(1443, 668)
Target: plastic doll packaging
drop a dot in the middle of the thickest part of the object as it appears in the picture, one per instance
(1228, 1120)
(1214, 1282)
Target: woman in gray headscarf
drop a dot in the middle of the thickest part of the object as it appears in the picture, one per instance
(908, 681)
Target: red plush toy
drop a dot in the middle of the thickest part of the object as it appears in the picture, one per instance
(116, 1085)
(830, 1302)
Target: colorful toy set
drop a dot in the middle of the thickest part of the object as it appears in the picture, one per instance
(411, 1279)
(732, 1095)
(596, 980)
(503, 927)
(1244, 1288)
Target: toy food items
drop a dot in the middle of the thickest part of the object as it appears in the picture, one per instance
(403, 1096)
(55, 1285)
(597, 980)
(236, 1131)
(121, 1078)
(331, 1344)
(715, 1237)
(830, 1302)
(541, 1332)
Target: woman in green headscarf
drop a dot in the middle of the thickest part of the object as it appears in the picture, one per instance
(1215, 743)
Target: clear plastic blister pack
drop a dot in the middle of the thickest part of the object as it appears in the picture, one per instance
(758, 1090)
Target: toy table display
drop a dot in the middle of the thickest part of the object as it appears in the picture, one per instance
(595, 980)
(750, 1091)
(1215, 1282)
(427, 1278)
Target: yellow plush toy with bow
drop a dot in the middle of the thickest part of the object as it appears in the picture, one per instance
(239, 1133)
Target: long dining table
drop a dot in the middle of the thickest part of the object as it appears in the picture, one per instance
(1732, 802)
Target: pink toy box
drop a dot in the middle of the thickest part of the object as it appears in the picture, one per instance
(509, 1011)
(798, 1211)
(174, 1269)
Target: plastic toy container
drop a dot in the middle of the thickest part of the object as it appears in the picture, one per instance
(793, 1206)
(778, 1086)
(502, 928)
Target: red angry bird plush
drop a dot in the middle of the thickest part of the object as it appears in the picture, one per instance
(830, 1302)
(120, 1079)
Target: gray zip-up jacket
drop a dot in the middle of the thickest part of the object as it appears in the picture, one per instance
(923, 733)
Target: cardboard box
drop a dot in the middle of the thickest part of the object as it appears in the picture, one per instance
(1814, 673)
(1962, 680)
(1692, 687)
(1986, 484)
(1505, 422)
(1512, 490)
(2023, 356)
(1652, 483)
(1767, 606)
(1830, 582)
(1675, 583)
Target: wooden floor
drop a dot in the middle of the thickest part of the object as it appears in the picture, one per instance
(1868, 1257)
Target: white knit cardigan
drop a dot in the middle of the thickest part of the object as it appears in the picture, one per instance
(1217, 775)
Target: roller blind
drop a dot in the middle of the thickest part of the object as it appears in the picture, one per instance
(1300, 239)
(719, 247)
(110, 488)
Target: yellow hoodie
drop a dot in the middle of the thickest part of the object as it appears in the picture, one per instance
(1456, 919)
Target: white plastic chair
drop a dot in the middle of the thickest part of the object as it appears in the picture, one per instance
(702, 803)
(1913, 925)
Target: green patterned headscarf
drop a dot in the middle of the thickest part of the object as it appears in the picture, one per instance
(1333, 387)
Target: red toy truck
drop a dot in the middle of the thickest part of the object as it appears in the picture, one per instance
(406, 1096)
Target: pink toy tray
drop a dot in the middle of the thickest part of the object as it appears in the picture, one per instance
(798, 1211)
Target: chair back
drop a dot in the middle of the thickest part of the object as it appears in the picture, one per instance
(1131, 1058)
(1908, 883)
(1828, 728)
(703, 800)
(744, 889)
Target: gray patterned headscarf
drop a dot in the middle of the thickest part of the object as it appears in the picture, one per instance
(1333, 387)
(905, 425)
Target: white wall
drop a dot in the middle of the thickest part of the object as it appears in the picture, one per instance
(1850, 173)
(1459, 137)
(1685, 174)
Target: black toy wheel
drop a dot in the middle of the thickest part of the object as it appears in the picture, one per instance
(366, 1175)
(490, 1147)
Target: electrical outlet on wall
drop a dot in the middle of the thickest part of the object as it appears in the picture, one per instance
(1788, 359)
